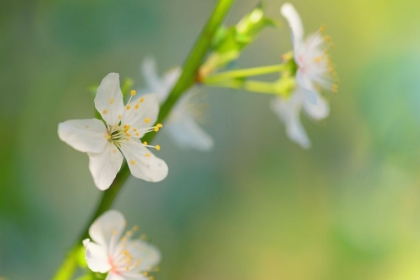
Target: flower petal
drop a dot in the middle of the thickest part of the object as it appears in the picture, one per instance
(114, 276)
(143, 116)
(97, 258)
(104, 166)
(107, 229)
(109, 99)
(153, 81)
(88, 135)
(292, 16)
(148, 254)
(317, 110)
(142, 163)
(188, 134)
(288, 112)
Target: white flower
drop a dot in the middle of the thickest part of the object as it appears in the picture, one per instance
(121, 133)
(181, 124)
(121, 256)
(314, 72)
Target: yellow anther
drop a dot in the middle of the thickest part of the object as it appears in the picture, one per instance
(105, 112)
(144, 143)
(157, 147)
(147, 155)
(145, 273)
(128, 233)
(132, 162)
(114, 232)
(152, 278)
(127, 268)
(134, 129)
(143, 236)
(128, 107)
(111, 101)
(318, 59)
(107, 136)
(137, 134)
(159, 125)
(128, 134)
(135, 228)
(133, 92)
(156, 129)
(146, 120)
(137, 106)
(141, 100)
(119, 117)
(322, 28)
(335, 88)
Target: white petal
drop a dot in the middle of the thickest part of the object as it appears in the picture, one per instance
(97, 258)
(155, 84)
(148, 168)
(288, 111)
(188, 134)
(292, 16)
(109, 99)
(171, 77)
(317, 110)
(113, 276)
(131, 276)
(84, 135)
(104, 166)
(107, 229)
(150, 256)
(148, 109)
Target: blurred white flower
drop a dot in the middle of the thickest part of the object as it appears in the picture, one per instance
(124, 126)
(121, 256)
(314, 72)
(181, 124)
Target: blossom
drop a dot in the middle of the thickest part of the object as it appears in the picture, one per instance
(182, 123)
(121, 256)
(107, 142)
(314, 71)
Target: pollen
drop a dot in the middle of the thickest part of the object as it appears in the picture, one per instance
(334, 88)
(144, 143)
(137, 134)
(137, 106)
(156, 129)
(114, 232)
(132, 162)
(128, 107)
(146, 120)
(111, 101)
(141, 100)
(147, 155)
(107, 136)
(145, 273)
(119, 117)
(322, 28)
(159, 125)
(105, 112)
(133, 92)
(157, 147)
(318, 59)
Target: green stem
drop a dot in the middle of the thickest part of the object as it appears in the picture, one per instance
(254, 86)
(187, 79)
(243, 73)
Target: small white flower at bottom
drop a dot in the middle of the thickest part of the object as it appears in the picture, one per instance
(121, 256)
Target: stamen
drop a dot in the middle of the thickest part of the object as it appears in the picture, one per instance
(146, 120)
(128, 107)
(111, 101)
(141, 100)
(132, 162)
(104, 112)
(147, 155)
(133, 92)
(157, 147)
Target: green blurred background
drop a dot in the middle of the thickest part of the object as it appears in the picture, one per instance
(258, 206)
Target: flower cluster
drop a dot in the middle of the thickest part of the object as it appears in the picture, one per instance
(117, 132)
